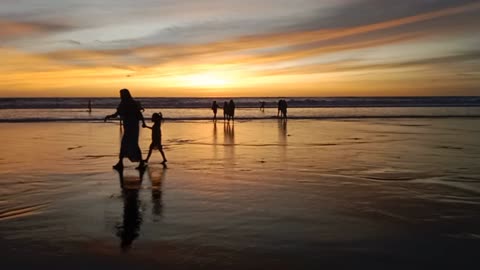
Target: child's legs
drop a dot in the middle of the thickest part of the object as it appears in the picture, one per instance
(149, 153)
(163, 154)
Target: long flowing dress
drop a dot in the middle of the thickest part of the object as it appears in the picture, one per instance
(131, 115)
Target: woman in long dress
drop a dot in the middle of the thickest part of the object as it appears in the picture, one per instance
(130, 114)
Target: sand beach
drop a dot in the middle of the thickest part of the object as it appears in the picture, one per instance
(253, 194)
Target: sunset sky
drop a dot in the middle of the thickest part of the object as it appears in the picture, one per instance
(239, 48)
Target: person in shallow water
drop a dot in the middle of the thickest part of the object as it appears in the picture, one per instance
(215, 107)
(157, 120)
(129, 112)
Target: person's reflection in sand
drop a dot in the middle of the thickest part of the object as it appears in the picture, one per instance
(215, 141)
(282, 132)
(129, 229)
(229, 141)
(157, 176)
(282, 138)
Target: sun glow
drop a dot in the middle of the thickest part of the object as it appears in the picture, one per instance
(206, 79)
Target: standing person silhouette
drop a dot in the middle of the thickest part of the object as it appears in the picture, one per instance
(279, 107)
(262, 106)
(157, 120)
(129, 112)
(225, 110)
(215, 107)
(89, 105)
(231, 109)
(283, 108)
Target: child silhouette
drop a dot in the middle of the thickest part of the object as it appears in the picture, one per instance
(157, 120)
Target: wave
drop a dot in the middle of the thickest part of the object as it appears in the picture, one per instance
(248, 102)
(180, 119)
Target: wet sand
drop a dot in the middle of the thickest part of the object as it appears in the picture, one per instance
(258, 194)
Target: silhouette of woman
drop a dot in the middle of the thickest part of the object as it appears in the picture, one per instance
(129, 112)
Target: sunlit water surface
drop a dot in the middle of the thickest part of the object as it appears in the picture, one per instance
(253, 194)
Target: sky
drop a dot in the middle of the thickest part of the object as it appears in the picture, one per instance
(207, 48)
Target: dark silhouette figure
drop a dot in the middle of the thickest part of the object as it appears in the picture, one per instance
(215, 107)
(225, 110)
(157, 120)
(129, 112)
(262, 106)
(282, 108)
(129, 229)
(89, 105)
(231, 109)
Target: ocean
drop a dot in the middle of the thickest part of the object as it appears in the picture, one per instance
(75, 109)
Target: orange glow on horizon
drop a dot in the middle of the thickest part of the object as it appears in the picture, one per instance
(380, 58)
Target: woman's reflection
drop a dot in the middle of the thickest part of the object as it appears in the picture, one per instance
(129, 229)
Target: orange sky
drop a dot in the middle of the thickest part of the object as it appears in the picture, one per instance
(315, 49)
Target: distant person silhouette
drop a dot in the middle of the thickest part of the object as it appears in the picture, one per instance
(231, 110)
(282, 108)
(215, 107)
(129, 112)
(279, 105)
(157, 120)
(89, 105)
(225, 110)
(262, 106)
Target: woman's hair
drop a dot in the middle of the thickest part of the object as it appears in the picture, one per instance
(126, 96)
(157, 117)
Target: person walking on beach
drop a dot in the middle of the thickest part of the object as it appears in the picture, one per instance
(157, 120)
(214, 109)
(129, 112)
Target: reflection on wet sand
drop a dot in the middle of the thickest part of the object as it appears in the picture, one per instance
(229, 141)
(282, 131)
(157, 176)
(215, 140)
(129, 229)
(282, 137)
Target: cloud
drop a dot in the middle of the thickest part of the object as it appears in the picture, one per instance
(363, 12)
(359, 65)
(10, 29)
